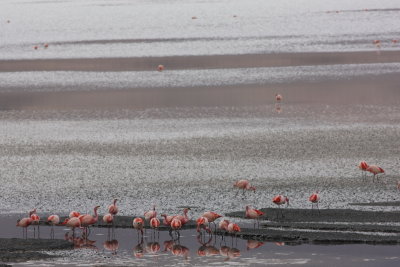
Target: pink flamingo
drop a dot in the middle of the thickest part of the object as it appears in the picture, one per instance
(46, 45)
(184, 218)
(138, 224)
(280, 200)
(363, 166)
(74, 214)
(375, 170)
(176, 225)
(160, 67)
(24, 223)
(244, 185)
(113, 209)
(314, 199)
(223, 225)
(211, 217)
(73, 222)
(35, 220)
(167, 219)
(233, 228)
(155, 224)
(254, 214)
(35, 47)
(87, 219)
(148, 215)
(278, 98)
(53, 220)
(108, 218)
(202, 223)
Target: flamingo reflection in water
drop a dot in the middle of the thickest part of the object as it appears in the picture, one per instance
(206, 249)
(253, 244)
(81, 242)
(138, 250)
(112, 246)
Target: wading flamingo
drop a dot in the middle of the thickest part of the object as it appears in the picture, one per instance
(176, 225)
(138, 224)
(167, 219)
(254, 214)
(87, 219)
(108, 218)
(183, 218)
(211, 217)
(46, 45)
(314, 199)
(35, 220)
(202, 223)
(278, 98)
(24, 223)
(363, 166)
(280, 200)
(233, 228)
(375, 170)
(155, 224)
(73, 222)
(53, 220)
(113, 209)
(160, 67)
(244, 185)
(148, 215)
(223, 225)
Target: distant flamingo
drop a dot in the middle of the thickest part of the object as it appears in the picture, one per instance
(160, 68)
(138, 224)
(113, 209)
(24, 223)
(395, 41)
(375, 170)
(35, 47)
(35, 220)
(53, 220)
(278, 98)
(233, 228)
(46, 45)
(280, 200)
(223, 225)
(74, 214)
(314, 199)
(244, 185)
(176, 225)
(254, 214)
(202, 223)
(167, 219)
(87, 219)
(363, 166)
(184, 218)
(148, 215)
(108, 218)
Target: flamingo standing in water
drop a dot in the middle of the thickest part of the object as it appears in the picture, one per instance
(254, 214)
(160, 68)
(176, 225)
(167, 219)
(223, 225)
(108, 218)
(138, 224)
(73, 222)
(202, 223)
(314, 199)
(53, 220)
(280, 200)
(87, 219)
(244, 185)
(183, 218)
(155, 224)
(278, 98)
(363, 166)
(24, 223)
(233, 228)
(148, 215)
(375, 170)
(113, 209)
(211, 217)
(35, 220)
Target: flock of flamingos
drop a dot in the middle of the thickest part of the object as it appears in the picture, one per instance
(175, 222)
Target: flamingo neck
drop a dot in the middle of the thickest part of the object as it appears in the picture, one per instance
(115, 201)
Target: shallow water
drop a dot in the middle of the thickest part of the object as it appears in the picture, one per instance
(105, 247)
(156, 28)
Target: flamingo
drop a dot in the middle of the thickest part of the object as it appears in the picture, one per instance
(148, 215)
(108, 218)
(233, 228)
(113, 209)
(24, 223)
(74, 214)
(184, 218)
(176, 225)
(138, 224)
(53, 220)
(160, 68)
(254, 214)
(46, 45)
(314, 199)
(244, 185)
(87, 219)
(35, 47)
(363, 166)
(375, 170)
(278, 98)
(223, 225)
(202, 222)
(211, 217)
(35, 220)
(280, 200)
(167, 219)
(73, 222)
(155, 223)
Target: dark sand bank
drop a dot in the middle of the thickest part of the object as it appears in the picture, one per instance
(200, 62)
(374, 90)
(19, 250)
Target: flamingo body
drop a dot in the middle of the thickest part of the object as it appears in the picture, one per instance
(154, 223)
(53, 219)
(108, 218)
(211, 216)
(74, 214)
(113, 209)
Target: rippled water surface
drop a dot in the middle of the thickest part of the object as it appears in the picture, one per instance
(155, 28)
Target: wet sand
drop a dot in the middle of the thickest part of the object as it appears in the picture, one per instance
(201, 62)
